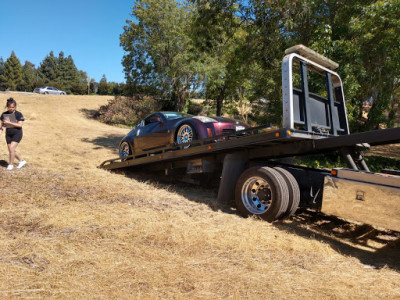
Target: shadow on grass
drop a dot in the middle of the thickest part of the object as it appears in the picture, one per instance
(205, 193)
(90, 113)
(3, 163)
(110, 141)
(372, 247)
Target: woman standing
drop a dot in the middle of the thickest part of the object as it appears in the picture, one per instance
(12, 120)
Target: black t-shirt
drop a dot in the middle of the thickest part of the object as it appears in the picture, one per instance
(18, 117)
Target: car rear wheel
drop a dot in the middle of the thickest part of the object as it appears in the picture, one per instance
(125, 151)
(185, 134)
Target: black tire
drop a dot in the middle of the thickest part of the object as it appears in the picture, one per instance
(263, 192)
(125, 150)
(294, 192)
(185, 134)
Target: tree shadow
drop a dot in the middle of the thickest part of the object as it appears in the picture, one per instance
(110, 141)
(90, 113)
(373, 247)
(201, 192)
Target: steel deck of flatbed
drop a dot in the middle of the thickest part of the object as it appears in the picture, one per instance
(260, 142)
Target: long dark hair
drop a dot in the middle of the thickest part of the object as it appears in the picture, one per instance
(11, 101)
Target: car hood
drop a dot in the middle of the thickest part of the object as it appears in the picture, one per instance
(227, 120)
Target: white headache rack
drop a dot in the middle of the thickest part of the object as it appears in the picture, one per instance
(313, 112)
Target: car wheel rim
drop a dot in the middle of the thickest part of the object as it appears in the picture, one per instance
(185, 134)
(256, 195)
(124, 150)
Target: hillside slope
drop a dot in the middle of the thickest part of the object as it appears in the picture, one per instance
(69, 230)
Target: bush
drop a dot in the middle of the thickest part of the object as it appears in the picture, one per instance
(78, 89)
(128, 111)
(194, 108)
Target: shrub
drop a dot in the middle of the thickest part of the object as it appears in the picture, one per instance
(127, 111)
(78, 89)
(194, 108)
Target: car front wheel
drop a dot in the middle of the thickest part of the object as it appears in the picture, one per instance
(125, 151)
(185, 134)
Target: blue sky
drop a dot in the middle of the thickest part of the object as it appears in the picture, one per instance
(88, 30)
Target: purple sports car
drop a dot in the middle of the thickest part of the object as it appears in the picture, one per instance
(164, 128)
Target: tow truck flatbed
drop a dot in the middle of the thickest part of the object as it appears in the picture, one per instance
(261, 142)
(246, 167)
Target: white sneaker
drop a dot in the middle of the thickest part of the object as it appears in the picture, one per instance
(10, 167)
(21, 164)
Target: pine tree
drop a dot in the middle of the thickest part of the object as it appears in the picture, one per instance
(71, 75)
(48, 68)
(2, 67)
(12, 75)
(28, 76)
(103, 86)
(63, 74)
(61, 67)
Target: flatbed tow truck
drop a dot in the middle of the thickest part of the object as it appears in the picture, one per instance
(250, 163)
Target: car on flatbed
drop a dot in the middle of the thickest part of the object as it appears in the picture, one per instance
(163, 128)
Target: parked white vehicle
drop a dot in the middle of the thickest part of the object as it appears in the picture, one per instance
(49, 90)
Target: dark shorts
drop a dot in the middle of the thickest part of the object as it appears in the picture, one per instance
(13, 135)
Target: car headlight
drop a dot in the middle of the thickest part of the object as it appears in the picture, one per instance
(205, 119)
(238, 127)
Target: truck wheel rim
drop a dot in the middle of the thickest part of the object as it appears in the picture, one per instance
(124, 150)
(256, 195)
(185, 134)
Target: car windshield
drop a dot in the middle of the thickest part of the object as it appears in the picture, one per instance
(175, 115)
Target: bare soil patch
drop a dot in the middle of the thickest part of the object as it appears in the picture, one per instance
(69, 230)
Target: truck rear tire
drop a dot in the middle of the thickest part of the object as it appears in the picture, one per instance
(263, 192)
(294, 192)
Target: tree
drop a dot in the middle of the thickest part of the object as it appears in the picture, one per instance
(159, 52)
(12, 75)
(104, 88)
(376, 31)
(48, 68)
(2, 67)
(60, 71)
(68, 74)
(28, 76)
(215, 32)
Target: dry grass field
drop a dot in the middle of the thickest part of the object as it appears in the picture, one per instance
(69, 230)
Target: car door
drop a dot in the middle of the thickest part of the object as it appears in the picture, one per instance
(152, 134)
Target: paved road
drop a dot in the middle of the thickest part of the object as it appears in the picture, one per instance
(17, 92)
